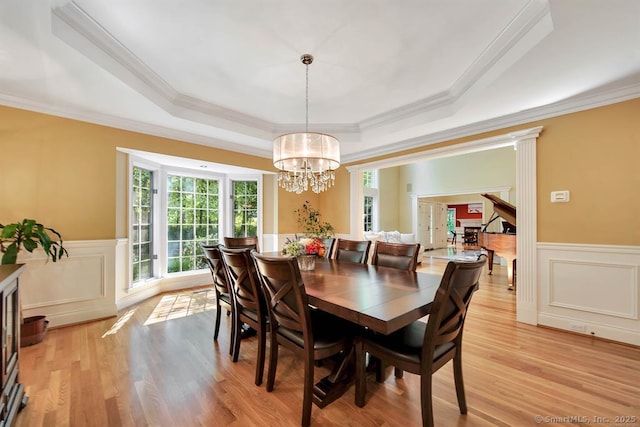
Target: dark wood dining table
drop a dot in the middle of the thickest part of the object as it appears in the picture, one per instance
(381, 299)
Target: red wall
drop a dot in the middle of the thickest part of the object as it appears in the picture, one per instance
(462, 212)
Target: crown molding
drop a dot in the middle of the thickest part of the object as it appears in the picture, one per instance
(528, 28)
(78, 29)
(505, 140)
(579, 103)
(572, 105)
(253, 136)
(254, 149)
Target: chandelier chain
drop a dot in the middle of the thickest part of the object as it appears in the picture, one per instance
(306, 95)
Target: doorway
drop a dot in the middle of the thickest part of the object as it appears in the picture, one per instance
(526, 183)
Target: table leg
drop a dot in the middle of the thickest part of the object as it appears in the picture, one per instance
(337, 382)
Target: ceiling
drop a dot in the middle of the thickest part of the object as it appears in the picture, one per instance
(387, 75)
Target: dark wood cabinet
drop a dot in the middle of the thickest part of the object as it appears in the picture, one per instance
(12, 391)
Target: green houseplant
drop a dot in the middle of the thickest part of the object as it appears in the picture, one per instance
(29, 234)
(309, 219)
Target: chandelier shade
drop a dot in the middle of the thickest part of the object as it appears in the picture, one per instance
(306, 160)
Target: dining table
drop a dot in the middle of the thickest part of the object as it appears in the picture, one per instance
(381, 299)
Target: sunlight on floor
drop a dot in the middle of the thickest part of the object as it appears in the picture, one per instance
(181, 305)
(120, 323)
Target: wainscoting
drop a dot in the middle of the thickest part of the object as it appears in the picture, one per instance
(590, 289)
(92, 283)
(74, 289)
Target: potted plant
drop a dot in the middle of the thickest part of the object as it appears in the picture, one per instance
(305, 250)
(309, 220)
(30, 234)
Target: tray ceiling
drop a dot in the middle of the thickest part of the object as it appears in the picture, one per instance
(387, 75)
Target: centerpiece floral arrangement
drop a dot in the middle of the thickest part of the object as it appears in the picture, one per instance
(304, 246)
(306, 249)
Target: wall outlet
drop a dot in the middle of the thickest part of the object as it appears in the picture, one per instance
(578, 327)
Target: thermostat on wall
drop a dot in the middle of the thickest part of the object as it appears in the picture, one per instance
(559, 196)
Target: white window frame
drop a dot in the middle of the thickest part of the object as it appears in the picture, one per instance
(229, 211)
(156, 204)
(373, 192)
(160, 174)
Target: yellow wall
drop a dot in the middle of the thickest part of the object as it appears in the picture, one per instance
(63, 173)
(333, 205)
(595, 154)
(390, 193)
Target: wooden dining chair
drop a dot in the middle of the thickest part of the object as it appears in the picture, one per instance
(221, 288)
(423, 348)
(250, 242)
(312, 334)
(403, 256)
(352, 250)
(249, 305)
(328, 246)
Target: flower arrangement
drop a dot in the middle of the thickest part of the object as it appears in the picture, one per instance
(304, 246)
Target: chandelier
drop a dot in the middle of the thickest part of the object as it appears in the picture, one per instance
(306, 159)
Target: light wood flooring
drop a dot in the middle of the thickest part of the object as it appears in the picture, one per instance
(156, 365)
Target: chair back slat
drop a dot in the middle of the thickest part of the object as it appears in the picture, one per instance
(446, 320)
(352, 250)
(328, 246)
(403, 256)
(250, 242)
(212, 257)
(285, 294)
(243, 281)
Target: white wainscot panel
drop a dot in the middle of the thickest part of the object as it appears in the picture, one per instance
(604, 288)
(75, 289)
(590, 289)
(76, 279)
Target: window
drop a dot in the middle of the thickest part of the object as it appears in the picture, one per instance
(451, 219)
(367, 179)
(370, 191)
(368, 213)
(245, 208)
(192, 219)
(142, 225)
(174, 210)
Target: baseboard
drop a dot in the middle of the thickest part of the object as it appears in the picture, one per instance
(583, 327)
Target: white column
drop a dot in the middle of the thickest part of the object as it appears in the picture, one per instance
(526, 284)
(356, 204)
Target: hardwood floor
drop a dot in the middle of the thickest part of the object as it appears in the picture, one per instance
(156, 365)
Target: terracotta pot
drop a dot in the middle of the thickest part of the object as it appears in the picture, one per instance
(32, 330)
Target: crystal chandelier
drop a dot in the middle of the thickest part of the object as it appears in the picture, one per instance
(306, 159)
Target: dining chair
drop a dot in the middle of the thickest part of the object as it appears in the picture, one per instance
(328, 246)
(352, 250)
(403, 256)
(221, 288)
(249, 305)
(423, 348)
(250, 242)
(312, 334)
